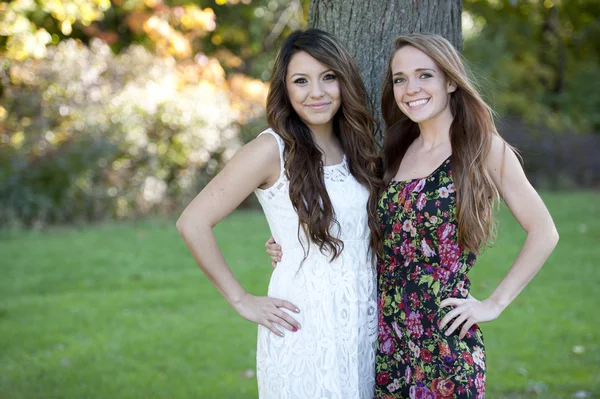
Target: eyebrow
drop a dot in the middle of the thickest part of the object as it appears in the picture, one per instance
(304, 74)
(416, 70)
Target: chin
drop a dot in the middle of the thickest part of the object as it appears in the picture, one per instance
(417, 118)
(319, 120)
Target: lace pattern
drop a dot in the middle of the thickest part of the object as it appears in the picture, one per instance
(333, 355)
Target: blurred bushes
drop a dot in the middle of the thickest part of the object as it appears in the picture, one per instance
(555, 160)
(116, 109)
(87, 134)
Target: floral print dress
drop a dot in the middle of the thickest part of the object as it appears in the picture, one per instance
(422, 265)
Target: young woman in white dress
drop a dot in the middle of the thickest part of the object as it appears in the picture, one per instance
(314, 173)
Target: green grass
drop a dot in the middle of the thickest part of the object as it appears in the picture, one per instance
(121, 311)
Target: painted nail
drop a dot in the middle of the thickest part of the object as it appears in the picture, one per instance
(297, 310)
(294, 329)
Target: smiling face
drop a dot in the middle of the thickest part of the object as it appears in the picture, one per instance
(421, 89)
(313, 90)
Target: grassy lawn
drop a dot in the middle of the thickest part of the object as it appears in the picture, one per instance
(121, 311)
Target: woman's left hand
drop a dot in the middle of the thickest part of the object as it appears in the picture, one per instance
(468, 312)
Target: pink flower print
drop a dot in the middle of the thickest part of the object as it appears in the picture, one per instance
(445, 231)
(384, 330)
(480, 383)
(396, 328)
(407, 374)
(421, 201)
(388, 346)
(414, 300)
(394, 386)
(413, 324)
(407, 225)
(426, 249)
(408, 250)
(444, 275)
(424, 393)
(451, 188)
(449, 255)
(393, 264)
(419, 186)
(443, 192)
(479, 357)
(392, 207)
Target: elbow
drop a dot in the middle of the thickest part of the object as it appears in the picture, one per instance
(554, 237)
(551, 236)
(183, 225)
(189, 225)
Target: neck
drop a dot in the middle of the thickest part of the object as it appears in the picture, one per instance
(323, 134)
(436, 131)
(327, 143)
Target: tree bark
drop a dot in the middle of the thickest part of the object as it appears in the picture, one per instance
(368, 29)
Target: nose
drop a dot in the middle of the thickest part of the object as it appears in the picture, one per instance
(316, 90)
(413, 86)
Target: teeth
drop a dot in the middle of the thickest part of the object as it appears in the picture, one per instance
(417, 103)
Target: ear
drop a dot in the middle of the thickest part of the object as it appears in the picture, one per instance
(451, 87)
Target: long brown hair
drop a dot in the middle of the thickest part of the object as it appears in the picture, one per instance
(471, 134)
(353, 125)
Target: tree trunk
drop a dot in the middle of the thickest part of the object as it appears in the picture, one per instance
(368, 29)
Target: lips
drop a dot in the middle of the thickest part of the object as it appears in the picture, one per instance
(318, 106)
(417, 104)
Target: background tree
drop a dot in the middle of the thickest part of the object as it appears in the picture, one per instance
(369, 28)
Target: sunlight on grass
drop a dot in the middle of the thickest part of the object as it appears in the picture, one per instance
(121, 311)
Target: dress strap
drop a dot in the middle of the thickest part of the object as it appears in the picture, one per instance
(281, 148)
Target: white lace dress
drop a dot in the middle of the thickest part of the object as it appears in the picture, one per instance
(333, 355)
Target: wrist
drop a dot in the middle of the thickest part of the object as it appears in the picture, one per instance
(498, 302)
(236, 299)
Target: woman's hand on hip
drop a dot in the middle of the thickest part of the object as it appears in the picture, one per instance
(468, 312)
(268, 312)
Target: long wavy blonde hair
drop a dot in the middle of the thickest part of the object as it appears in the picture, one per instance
(353, 125)
(471, 135)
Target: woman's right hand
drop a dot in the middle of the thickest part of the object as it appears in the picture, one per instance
(274, 251)
(267, 312)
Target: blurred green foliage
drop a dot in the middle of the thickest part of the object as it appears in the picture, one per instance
(539, 58)
(118, 108)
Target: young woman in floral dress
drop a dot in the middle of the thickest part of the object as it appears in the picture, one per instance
(444, 168)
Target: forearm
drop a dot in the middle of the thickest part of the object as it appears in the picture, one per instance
(536, 249)
(203, 246)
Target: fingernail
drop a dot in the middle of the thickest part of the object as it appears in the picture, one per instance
(297, 310)
(281, 334)
(294, 329)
